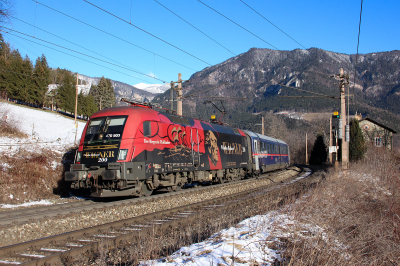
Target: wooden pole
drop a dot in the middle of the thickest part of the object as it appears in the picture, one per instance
(76, 107)
(306, 151)
(76, 97)
(330, 139)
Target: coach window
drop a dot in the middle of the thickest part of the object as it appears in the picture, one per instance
(146, 128)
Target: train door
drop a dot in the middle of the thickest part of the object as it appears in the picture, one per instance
(256, 144)
(194, 139)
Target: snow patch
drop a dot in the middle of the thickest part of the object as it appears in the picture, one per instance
(26, 204)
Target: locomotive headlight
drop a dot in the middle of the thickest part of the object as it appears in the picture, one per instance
(122, 155)
(78, 157)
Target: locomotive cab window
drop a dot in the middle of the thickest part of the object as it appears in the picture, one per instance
(105, 129)
(146, 128)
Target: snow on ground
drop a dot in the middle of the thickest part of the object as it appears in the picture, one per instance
(44, 129)
(254, 241)
(27, 204)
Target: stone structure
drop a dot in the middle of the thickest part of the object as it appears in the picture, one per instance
(378, 134)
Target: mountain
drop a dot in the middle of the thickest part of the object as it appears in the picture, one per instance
(122, 90)
(256, 75)
(153, 88)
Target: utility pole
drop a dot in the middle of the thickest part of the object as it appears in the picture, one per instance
(345, 144)
(76, 107)
(172, 95)
(76, 97)
(306, 150)
(330, 139)
(262, 124)
(179, 92)
(343, 80)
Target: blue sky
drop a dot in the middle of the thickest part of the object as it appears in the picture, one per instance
(329, 25)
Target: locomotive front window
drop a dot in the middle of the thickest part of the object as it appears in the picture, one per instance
(105, 129)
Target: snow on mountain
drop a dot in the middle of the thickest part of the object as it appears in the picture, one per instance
(153, 88)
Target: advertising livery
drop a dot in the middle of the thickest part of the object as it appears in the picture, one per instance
(134, 150)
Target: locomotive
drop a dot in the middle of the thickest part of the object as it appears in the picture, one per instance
(136, 149)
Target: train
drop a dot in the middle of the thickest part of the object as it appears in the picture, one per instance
(137, 149)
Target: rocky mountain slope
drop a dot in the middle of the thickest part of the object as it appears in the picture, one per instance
(122, 90)
(256, 75)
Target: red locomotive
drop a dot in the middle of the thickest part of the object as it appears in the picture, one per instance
(134, 150)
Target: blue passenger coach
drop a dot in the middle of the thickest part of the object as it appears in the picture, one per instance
(268, 154)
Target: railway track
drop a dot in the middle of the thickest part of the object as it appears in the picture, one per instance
(52, 250)
(44, 212)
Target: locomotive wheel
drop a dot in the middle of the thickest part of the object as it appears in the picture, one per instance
(145, 190)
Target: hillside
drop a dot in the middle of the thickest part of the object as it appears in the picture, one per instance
(122, 90)
(256, 75)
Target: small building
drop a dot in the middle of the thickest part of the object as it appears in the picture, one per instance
(380, 135)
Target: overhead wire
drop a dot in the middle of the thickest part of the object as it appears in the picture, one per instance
(69, 41)
(237, 25)
(133, 70)
(28, 49)
(147, 32)
(358, 44)
(110, 34)
(74, 56)
(272, 24)
(194, 27)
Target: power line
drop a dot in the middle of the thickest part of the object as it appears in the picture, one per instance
(147, 32)
(22, 45)
(69, 41)
(110, 34)
(75, 56)
(272, 23)
(195, 27)
(358, 43)
(138, 72)
(237, 25)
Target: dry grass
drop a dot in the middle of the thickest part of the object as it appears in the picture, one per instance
(28, 176)
(358, 214)
(9, 126)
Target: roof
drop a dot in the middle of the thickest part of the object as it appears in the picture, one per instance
(263, 137)
(379, 124)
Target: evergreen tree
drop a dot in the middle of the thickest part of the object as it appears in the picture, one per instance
(4, 64)
(319, 152)
(67, 93)
(89, 106)
(41, 75)
(26, 83)
(357, 143)
(103, 92)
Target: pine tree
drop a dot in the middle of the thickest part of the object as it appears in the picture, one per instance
(67, 93)
(319, 152)
(357, 143)
(103, 92)
(4, 64)
(89, 106)
(41, 75)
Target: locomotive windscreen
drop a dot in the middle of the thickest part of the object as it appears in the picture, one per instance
(105, 129)
(102, 140)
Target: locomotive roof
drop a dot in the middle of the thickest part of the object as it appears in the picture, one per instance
(263, 137)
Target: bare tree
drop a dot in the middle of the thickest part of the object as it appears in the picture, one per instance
(6, 10)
